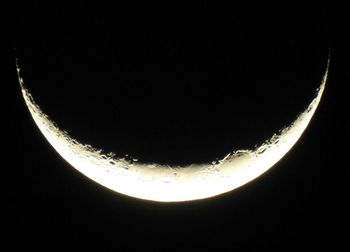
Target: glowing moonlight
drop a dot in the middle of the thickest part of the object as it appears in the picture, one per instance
(165, 183)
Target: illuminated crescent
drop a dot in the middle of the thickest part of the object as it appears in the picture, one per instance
(171, 183)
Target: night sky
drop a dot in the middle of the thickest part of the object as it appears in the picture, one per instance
(175, 83)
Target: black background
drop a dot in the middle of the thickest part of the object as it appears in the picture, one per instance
(175, 83)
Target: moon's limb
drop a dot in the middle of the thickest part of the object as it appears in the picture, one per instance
(165, 183)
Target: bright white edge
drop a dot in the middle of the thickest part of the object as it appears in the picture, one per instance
(165, 183)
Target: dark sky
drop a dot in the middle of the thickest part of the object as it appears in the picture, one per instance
(175, 83)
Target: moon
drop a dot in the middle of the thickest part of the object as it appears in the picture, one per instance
(171, 183)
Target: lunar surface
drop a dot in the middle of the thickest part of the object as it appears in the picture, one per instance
(171, 183)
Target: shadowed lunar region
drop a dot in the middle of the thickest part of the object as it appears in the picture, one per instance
(171, 183)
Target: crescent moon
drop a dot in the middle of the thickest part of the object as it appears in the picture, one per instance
(171, 183)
